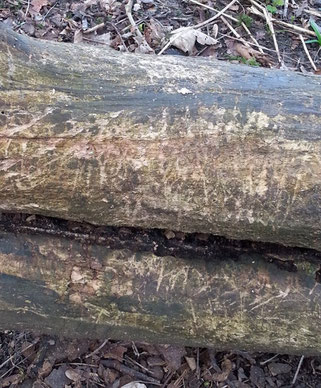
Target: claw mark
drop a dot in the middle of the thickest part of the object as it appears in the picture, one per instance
(11, 65)
(21, 128)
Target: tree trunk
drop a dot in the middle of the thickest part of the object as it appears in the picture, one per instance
(189, 144)
(58, 280)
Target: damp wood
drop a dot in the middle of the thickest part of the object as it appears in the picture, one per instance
(188, 144)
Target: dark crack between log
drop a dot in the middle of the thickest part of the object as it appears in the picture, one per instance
(160, 242)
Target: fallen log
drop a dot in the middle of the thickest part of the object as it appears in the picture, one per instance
(193, 145)
(78, 280)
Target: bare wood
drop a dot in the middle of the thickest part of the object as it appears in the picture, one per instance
(188, 144)
(56, 285)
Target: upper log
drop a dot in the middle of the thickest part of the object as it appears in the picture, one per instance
(191, 144)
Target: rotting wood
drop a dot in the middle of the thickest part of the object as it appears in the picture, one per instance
(193, 145)
(71, 287)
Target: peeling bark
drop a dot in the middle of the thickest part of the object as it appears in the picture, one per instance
(70, 287)
(193, 145)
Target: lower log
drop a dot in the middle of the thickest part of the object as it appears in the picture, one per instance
(60, 285)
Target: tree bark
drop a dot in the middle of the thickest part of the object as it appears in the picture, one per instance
(64, 284)
(189, 144)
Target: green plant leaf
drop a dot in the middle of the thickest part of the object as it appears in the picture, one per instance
(312, 41)
(316, 30)
(271, 8)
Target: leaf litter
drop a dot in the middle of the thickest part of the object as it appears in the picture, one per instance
(180, 27)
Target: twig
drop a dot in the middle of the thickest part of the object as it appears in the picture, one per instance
(231, 18)
(210, 20)
(93, 29)
(307, 53)
(294, 27)
(11, 357)
(312, 12)
(268, 360)
(141, 39)
(271, 27)
(97, 350)
(119, 34)
(285, 9)
(128, 9)
(235, 32)
(297, 370)
(179, 31)
(252, 37)
(128, 371)
(49, 11)
(28, 7)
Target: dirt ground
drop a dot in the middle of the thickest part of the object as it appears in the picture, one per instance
(28, 360)
(269, 33)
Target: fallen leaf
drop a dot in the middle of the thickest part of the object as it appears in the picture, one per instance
(11, 380)
(134, 384)
(226, 367)
(191, 363)
(109, 5)
(103, 38)
(115, 352)
(215, 30)
(204, 39)
(277, 368)
(154, 33)
(78, 36)
(73, 375)
(172, 354)
(185, 39)
(240, 49)
(36, 5)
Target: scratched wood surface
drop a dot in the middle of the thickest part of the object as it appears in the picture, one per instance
(65, 287)
(189, 144)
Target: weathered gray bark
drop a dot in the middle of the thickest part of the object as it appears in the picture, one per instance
(58, 285)
(187, 144)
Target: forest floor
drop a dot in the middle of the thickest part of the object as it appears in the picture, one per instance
(272, 34)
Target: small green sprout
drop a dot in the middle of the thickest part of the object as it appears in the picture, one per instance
(246, 19)
(272, 8)
(317, 33)
(251, 61)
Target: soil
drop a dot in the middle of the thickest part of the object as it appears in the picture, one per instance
(31, 360)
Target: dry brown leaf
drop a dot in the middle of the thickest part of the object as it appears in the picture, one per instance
(239, 49)
(116, 352)
(11, 380)
(36, 5)
(154, 33)
(172, 355)
(46, 368)
(226, 367)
